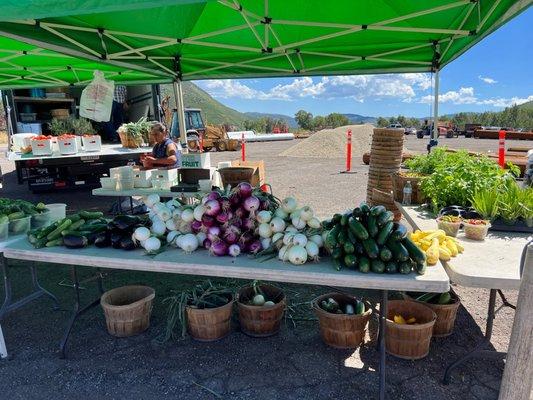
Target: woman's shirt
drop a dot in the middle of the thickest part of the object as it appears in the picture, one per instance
(160, 151)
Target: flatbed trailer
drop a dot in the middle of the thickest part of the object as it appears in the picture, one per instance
(78, 171)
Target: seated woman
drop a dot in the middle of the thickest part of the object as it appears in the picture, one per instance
(165, 153)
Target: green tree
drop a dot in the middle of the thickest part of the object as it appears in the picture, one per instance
(304, 119)
(382, 122)
(319, 122)
(335, 120)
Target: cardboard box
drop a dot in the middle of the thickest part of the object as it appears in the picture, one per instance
(193, 175)
(252, 172)
(196, 160)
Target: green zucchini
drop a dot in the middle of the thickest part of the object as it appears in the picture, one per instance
(384, 233)
(349, 248)
(414, 252)
(45, 231)
(359, 307)
(377, 266)
(337, 253)
(427, 297)
(391, 267)
(385, 254)
(372, 225)
(91, 214)
(420, 268)
(357, 228)
(399, 232)
(54, 242)
(344, 219)
(337, 264)
(404, 267)
(75, 225)
(336, 218)
(56, 233)
(357, 212)
(40, 243)
(384, 218)
(359, 249)
(350, 261)
(399, 252)
(365, 209)
(377, 210)
(371, 248)
(342, 237)
(364, 264)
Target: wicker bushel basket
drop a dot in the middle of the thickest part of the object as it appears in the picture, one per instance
(341, 331)
(446, 314)
(261, 321)
(410, 342)
(127, 309)
(209, 324)
(128, 141)
(399, 180)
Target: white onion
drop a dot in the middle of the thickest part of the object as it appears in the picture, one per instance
(172, 224)
(234, 250)
(164, 213)
(277, 236)
(277, 225)
(185, 227)
(199, 212)
(287, 239)
(263, 217)
(265, 243)
(317, 239)
(291, 228)
(280, 213)
(295, 214)
(177, 241)
(297, 255)
(187, 215)
(141, 233)
(314, 223)
(171, 236)
(312, 250)
(158, 227)
(289, 204)
(299, 239)
(172, 204)
(176, 212)
(152, 244)
(151, 214)
(151, 199)
(158, 206)
(188, 243)
(283, 253)
(299, 223)
(264, 230)
(306, 213)
(201, 236)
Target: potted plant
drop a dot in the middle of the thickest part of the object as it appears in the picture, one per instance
(203, 311)
(134, 134)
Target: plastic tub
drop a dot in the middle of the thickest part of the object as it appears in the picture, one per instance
(41, 147)
(451, 228)
(476, 232)
(4, 231)
(67, 145)
(57, 211)
(205, 185)
(125, 184)
(20, 226)
(92, 142)
(125, 172)
(40, 220)
(108, 183)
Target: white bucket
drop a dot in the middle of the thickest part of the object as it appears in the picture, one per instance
(21, 140)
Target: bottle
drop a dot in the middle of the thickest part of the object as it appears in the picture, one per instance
(407, 191)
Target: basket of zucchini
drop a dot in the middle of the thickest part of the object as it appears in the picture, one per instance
(368, 240)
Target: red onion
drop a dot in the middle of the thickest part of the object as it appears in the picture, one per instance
(223, 217)
(248, 224)
(219, 248)
(213, 196)
(245, 238)
(235, 199)
(196, 226)
(254, 247)
(212, 208)
(225, 203)
(207, 244)
(251, 204)
(265, 205)
(213, 233)
(208, 221)
(240, 212)
(244, 189)
(234, 228)
(230, 236)
(236, 222)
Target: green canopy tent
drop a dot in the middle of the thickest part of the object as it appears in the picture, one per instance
(194, 39)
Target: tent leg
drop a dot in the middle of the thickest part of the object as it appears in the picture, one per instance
(178, 96)
(435, 133)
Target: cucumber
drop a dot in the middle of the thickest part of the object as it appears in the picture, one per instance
(357, 228)
(372, 226)
(91, 214)
(344, 219)
(56, 233)
(74, 217)
(385, 217)
(371, 248)
(357, 212)
(55, 242)
(399, 252)
(359, 307)
(414, 252)
(337, 253)
(377, 210)
(75, 225)
(404, 267)
(399, 232)
(391, 267)
(384, 233)
(331, 238)
(349, 248)
(40, 243)
(351, 237)
(16, 215)
(75, 233)
(337, 264)
(45, 231)
(359, 249)
(385, 254)
(350, 261)
(32, 238)
(420, 268)
(364, 264)
(377, 266)
(365, 209)
(336, 218)
(342, 237)
(445, 298)
(327, 224)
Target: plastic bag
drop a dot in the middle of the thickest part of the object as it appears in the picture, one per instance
(96, 99)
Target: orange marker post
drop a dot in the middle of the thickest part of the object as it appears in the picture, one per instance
(349, 150)
(501, 149)
(201, 143)
(243, 147)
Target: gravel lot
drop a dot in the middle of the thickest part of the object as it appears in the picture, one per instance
(292, 365)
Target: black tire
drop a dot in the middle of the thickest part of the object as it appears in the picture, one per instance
(420, 134)
(221, 146)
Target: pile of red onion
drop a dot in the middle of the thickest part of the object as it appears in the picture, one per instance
(229, 221)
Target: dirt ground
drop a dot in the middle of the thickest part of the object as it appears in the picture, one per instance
(294, 364)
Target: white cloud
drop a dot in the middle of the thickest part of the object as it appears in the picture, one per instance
(502, 102)
(488, 80)
(466, 95)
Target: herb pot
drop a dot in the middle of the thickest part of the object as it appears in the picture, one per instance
(209, 324)
(261, 321)
(476, 232)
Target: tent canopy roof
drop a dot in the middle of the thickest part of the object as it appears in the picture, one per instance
(194, 39)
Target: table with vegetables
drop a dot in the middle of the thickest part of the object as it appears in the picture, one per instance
(242, 233)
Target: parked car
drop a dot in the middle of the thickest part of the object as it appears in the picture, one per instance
(410, 130)
(395, 126)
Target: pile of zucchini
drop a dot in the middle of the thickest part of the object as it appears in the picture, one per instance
(75, 231)
(367, 239)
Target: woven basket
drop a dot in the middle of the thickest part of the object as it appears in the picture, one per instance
(127, 309)
(399, 180)
(128, 141)
(446, 314)
(341, 331)
(260, 321)
(209, 324)
(410, 342)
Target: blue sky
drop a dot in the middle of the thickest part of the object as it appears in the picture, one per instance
(495, 73)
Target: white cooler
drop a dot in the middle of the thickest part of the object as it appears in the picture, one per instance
(143, 179)
(167, 175)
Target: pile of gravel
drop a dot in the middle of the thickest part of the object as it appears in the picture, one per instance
(331, 143)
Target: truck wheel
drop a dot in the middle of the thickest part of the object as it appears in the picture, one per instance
(221, 146)
(420, 134)
(208, 148)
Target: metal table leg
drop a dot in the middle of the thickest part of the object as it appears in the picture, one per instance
(3, 348)
(381, 341)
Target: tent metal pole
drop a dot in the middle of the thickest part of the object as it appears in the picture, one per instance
(178, 97)
(435, 133)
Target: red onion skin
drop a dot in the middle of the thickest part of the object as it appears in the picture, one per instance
(207, 244)
(196, 226)
(245, 238)
(214, 196)
(213, 233)
(252, 204)
(225, 203)
(212, 208)
(208, 221)
(236, 222)
(254, 247)
(244, 189)
(219, 248)
(230, 237)
(240, 212)
(235, 199)
(234, 229)
(248, 224)
(222, 218)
